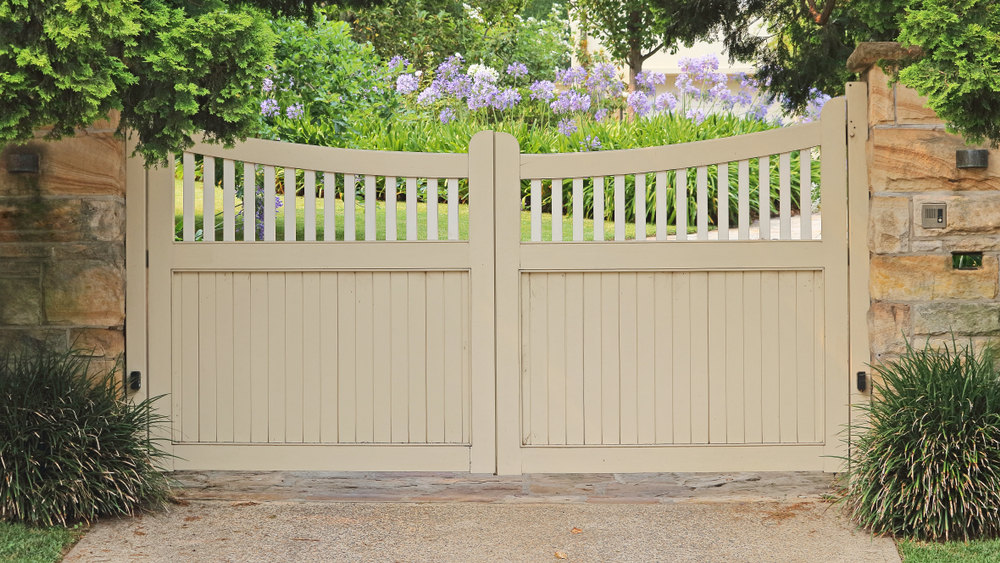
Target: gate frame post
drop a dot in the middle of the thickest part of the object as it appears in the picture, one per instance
(136, 344)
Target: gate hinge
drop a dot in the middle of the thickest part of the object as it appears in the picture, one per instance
(147, 258)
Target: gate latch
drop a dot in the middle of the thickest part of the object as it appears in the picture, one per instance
(134, 380)
(862, 381)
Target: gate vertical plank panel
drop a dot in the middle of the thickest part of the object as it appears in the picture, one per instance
(365, 350)
(276, 357)
(433, 226)
(716, 345)
(347, 367)
(681, 296)
(417, 301)
(628, 406)
(454, 380)
(788, 381)
(699, 358)
(207, 362)
(556, 347)
(382, 356)
(592, 350)
(312, 345)
(805, 364)
(259, 352)
(400, 357)
(190, 424)
(751, 329)
(176, 357)
(289, 203)
(610, 369)
(329, 390)
(819, 367)
(735, 359)
(309, 201)
(466, 375)
(411, 209)
(226, 356)
(664, 356)
(645, 345)
(537, 340)
(574, 358)
(294, 352)
(770, 304)
(242, 366)
(527, 357)
(435, 357)
(228, 200)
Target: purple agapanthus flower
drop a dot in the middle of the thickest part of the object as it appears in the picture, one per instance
(603, 81)
(517, 70)
(294, 111)
(506, 99)
(648, 81)
(430, 95)
(398, 63)
(569, 101)
(639, 102)
(590, 144)
(270, 108)
(573, 76)
(567, 127)
(407, 84)
(698, 115)
(542, 90)
(601, 114)
(447, 115)
(665, 101)
(268, 85)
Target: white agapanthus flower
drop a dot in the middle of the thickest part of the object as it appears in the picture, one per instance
(483, 73)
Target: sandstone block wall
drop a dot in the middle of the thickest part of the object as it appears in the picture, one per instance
(915, 291)
(62, 237)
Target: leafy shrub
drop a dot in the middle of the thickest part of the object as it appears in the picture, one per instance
(72, 446)
(927, 464)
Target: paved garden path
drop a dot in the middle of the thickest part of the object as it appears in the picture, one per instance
(441, 517)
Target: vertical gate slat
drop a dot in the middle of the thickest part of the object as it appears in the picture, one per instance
(805, 193)
(411, 209)
(418, 357)
(242, 370)
(190, 424)
(661, 206)
(663, 357)
(645, 345)
(819, 358)
(294, 352)
(805, 299)
(770, 353)
(577, 208)
(208, 198)
(574, 358)
(390, 209)
(619, 208)
(350, 209)
(556, 350)
(228, 200)
(785, 196)
(289, 203)
(715, 348)
(454, 383)
(249, 201)
(433, 225)
(702, 179)
(627, 351)
(176, 358)
(744, 200)
(699, 357)
(225, 356)
(538, 358)
(751, 330)
(610, 357)
(764, 196)
(640, 207)
(536, 210)
(557, 210)
(276, 357)
(435, 357)
(187, 195)
(329, 206)
(788, 379)
(527, 384)
(599, 208)
(365, 350)
(453, 199)
(466, 387)
(734, 354)
(399, 309)
(371, 191)
(309, 203)
(207, 361)
(722, 192)
(347, 367)
(382, 354)
(591, 303)
(682, 356)
(259, 350)
(270, 211)
(329, 297)
(680, 210)
(311, 358)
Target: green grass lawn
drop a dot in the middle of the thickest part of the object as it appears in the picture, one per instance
(463, 220)
(979, 551)
(27, 544)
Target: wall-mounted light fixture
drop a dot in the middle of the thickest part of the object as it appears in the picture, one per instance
(22, 163)
(972, 158)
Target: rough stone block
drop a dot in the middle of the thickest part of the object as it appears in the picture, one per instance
(972, 213)
(87, 164)
(20, 301)
(928, 278)
(881, 98)
(964, 319)
(926, 246)
(54, 339)
(889, 225)
(96, 342)
(923, 160)
(20, 269)
(888, 326)
(84, 293)
(971, 243)
(911, 108)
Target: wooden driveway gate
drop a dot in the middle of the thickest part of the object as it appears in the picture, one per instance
(708, 350)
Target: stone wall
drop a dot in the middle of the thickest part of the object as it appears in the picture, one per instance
(915, 291)
(62, 236)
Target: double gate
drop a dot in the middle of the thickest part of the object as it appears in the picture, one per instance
(441, 321)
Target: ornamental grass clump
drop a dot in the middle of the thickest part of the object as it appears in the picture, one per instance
(72, 446)
(927, 464)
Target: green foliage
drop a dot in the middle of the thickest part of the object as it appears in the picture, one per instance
(976, 551)
(72, 446)
(927, 464)
(20, 543)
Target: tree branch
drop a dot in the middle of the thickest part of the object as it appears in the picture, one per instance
(819, 15)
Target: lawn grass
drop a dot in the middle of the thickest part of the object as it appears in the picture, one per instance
(978, 551)
(28, 544)
(463, 220)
